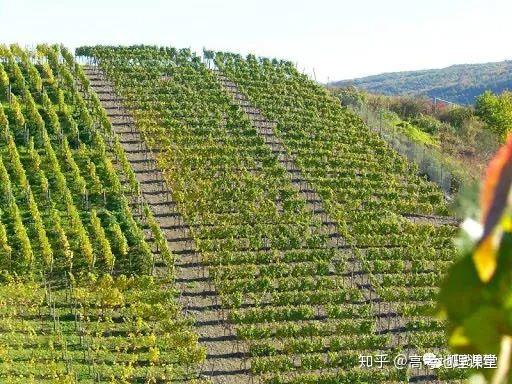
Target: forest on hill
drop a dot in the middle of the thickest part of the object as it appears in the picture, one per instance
(459, 84)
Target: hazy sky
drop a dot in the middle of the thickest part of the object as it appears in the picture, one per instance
(339, 39)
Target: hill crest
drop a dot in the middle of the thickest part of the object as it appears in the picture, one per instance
(459, 83)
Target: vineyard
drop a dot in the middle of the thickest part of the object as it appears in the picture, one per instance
(87, 289)
(166, 217)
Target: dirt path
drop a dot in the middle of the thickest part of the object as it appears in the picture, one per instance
(225, 359)
(388, 320)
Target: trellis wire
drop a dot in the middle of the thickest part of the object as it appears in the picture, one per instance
(426, 160)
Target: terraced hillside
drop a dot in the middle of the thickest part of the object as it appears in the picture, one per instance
(318, 243)
(87, 292)
(196, 295)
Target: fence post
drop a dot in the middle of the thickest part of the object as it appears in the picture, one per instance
(380, 122)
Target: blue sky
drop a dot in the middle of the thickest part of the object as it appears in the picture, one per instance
(338, 39)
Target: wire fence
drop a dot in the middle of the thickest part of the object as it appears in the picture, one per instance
(428, 161)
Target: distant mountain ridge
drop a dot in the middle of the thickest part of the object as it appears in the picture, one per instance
(459, 83)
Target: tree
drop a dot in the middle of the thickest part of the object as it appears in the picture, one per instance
(86, 249)
(410, 107)
(119, 239)
(52, 115)
(496, 112)
(48, 77)
(19, 119)
(97, 187)
(5, 184)
(102, 241)
(19, 80)
(62, 239)
(35, 159)
(352, 96)
(17, 165)
(44, 243)
(75, 169)
(4, 123)
(4, 82)
(33, 75)
(33, 113)
(5, 248)
(26, 253)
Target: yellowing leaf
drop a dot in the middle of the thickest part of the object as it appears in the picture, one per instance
(485, 259)
(441, 315)
(506, 224)
(458, 339)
